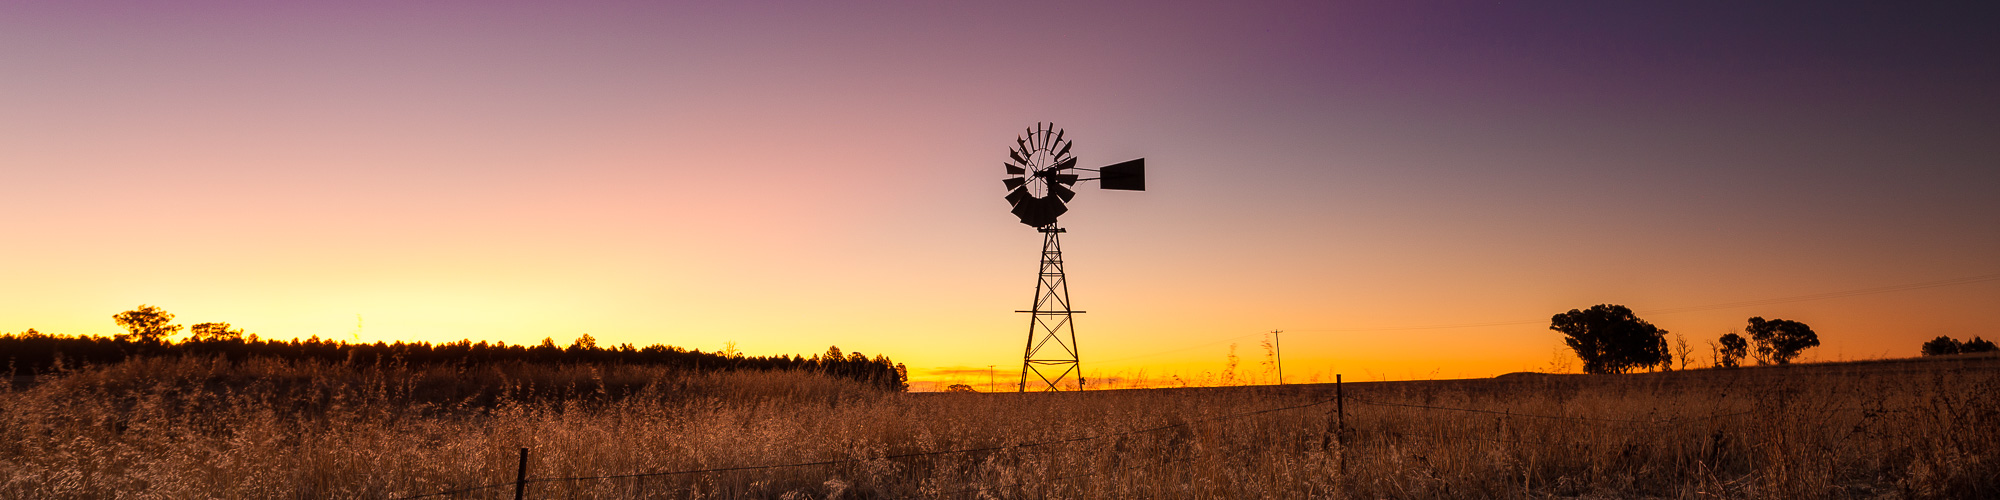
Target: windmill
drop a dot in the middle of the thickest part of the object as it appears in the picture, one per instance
(1040, 173)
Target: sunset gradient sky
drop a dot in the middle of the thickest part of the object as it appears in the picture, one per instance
(789, 175)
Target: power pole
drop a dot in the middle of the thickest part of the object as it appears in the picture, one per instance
(989, 378)
(1278, 351)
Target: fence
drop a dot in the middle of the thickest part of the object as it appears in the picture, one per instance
(1335, 437)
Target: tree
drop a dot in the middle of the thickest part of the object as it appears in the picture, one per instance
(214, 332)
(1733, 350)
(584, 343)
(1977, 345)
(1681, 350)
(959, 388)
(1780, 340)
(1942, 346)
(148, 324)
(1666, 355)
(1610, 339)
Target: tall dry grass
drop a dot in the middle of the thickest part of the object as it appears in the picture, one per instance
(187, 428)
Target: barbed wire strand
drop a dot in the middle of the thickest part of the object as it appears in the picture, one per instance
(948, 452)
(885, 457)
(1466, 437)
(457, 491)
(1552, 417)
(1671, 421)
(1018, 484)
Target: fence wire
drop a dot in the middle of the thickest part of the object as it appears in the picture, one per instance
(1668, 421)
(1079, 439)
(884, 457)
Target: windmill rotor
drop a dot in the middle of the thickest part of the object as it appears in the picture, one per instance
(1036, 187)
(1042, 175)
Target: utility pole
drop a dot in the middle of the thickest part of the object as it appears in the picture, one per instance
(1278, 351)
(989, 378)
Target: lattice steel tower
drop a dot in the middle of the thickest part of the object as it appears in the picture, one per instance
(1052, 321)
(1040, 171)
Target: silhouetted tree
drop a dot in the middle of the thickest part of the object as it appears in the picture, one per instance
(1733, 350)
(1666, 355)
(1942, 346)
(1977, 345)
(959, 388)
(1681, 350)
(1780, 340)
(213, 332)
(148, 324)
(1610, 339)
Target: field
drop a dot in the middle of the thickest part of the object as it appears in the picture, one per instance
(264, 428)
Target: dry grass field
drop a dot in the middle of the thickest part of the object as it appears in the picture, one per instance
(197, 428)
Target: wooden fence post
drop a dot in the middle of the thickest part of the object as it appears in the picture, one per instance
(1340, 408)
(521, 476)
(1340, 422)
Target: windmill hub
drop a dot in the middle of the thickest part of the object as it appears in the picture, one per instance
(1040, 172)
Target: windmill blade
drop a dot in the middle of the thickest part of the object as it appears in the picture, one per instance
(1065, 148)
(1055, 208)
(1014, 170)
(1025, 212)
(1039, 211)
(1065, 164)
(1059, 134)
(1064, 179)
(1018, 195)
(1017, 157)
(1062, 191)
(1032, 213)
(1014, 183)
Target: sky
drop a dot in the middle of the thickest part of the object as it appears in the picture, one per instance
(1407, 189)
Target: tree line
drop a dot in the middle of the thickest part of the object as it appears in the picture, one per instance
(1609, 338)
(1946, 346)
(150, 331)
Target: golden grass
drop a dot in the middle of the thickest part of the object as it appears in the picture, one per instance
(189, 428)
